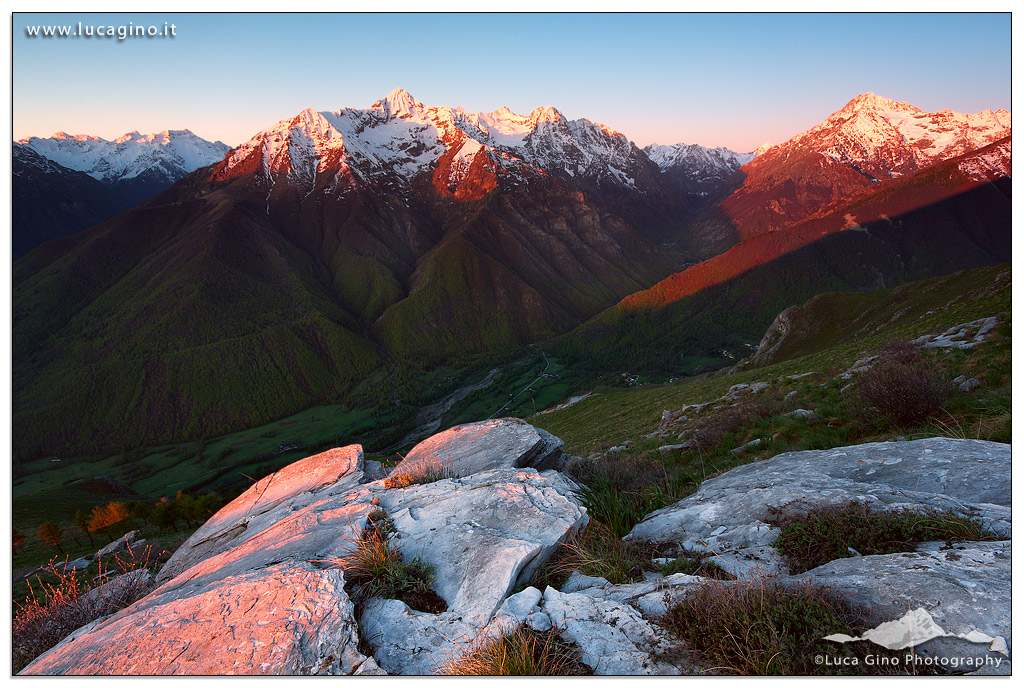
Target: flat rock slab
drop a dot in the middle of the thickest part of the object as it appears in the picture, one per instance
(964, 588)
(728, 514)
(269, 502)
(483, 446)
(286, 619)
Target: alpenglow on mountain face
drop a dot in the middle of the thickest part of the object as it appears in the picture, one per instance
(333, 243)
(869, 141)
(397, 138)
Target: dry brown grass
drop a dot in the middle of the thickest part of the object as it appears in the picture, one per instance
(375, 568)
(762, 627)
(428, 470)
(520, 651)
(53, 610)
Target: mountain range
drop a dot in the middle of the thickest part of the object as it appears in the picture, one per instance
(336, 251)
(66, 183)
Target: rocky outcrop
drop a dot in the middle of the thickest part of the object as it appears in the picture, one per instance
(614, 638)
(965, 586)
(259, 588)
(468, 449)
(482, 534)
(728, 515)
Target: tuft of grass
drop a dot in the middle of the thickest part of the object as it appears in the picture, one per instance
(823, 534)
(693, 564)
(428, 470)
(52, 610)
(375, 568)
(597, 552)
(520, 651)
(761, 627)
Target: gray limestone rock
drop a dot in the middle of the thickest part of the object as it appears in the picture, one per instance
(728, 515)
(614, 639)
(468, 449)
(964, 588)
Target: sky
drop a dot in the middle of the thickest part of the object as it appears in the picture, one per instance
(734, 80)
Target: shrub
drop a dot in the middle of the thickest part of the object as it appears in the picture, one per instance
(520, 651)
(820, 535)
(760, 627)
(375, 568)
(52, 610)
(901, 386)
(428, 470)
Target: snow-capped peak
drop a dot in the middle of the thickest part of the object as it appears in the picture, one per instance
(398, 103)
(398, 138)
(883, 138)
(545, 114)
(700, 159)
(170, 154)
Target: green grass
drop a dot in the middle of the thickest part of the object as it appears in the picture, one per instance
(812, 538)
(375, 568)
(598, 552)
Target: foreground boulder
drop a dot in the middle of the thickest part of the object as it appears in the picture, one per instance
(259, 588)
(965, 586)
(251, 592)
(728, 515)
(482, 534)
(475, 447)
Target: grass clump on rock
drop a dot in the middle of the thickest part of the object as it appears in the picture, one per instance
(597, 552)
(520, 651)
(375, 568)
(818, 536)
(761, 627)
(429, 470)
(53, 610)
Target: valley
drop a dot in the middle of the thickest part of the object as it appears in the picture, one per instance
(347, 289)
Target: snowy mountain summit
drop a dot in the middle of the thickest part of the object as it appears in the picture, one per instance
(168, 155)
(397, 138)
(884, 138)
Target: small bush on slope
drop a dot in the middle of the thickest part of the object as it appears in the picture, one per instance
(518, 652)
(902, 387)
(816, 537)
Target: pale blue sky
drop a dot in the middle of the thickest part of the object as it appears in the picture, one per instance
(735, 80)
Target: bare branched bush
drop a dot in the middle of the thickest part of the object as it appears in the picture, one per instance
(902, 387)
(54, 609)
